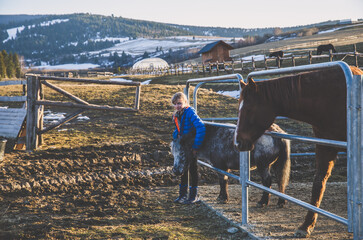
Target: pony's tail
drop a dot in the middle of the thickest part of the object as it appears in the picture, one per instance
(283, 165)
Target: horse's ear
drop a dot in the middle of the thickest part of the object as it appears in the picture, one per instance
(251, 83)
(242, 84)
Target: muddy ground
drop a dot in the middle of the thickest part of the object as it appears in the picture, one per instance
(110, 178)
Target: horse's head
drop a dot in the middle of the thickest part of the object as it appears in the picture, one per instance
(254, 117)
(181, 148)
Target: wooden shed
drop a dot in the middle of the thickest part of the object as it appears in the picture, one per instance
(216, 51)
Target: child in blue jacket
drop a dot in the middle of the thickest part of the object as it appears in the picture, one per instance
(186, 120)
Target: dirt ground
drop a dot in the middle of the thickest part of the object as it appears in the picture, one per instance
(273, 222)
(110, 178)
(74, 194)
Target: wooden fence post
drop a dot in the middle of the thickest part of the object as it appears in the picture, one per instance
(40, 110)
(241, 65)
(355, 55)
(137, 96)
(232, 66)
(293, 60)
(310, 57)
(217, 66)
(265, 61)
(32, 113)
(330, 55)
(203, 66)
(278, 62)
(253, 64)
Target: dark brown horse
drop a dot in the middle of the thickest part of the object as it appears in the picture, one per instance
(325, 48)
(317, 98)
(278, 55)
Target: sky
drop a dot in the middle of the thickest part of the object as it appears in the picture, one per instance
(226, 13)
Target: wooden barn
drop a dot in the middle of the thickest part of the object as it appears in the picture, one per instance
(216, 52)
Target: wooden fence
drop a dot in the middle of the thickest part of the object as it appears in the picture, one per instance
(12, 118)
(36, 103)
(250, 64)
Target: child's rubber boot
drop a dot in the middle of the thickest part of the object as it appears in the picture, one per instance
(183, 194)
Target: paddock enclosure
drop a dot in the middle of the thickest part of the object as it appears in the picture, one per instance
(85, 187)
(354, 220)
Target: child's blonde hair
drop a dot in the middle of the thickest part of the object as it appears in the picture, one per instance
(181, 96)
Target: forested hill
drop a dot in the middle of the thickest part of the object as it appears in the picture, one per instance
(52, 35)
(74, 37)
(79, 27)
(47, 37)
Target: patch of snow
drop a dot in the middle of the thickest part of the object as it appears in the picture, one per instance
(232, 230)
(111, 39)
(54, 117)
(120, 80)
(67, 66)
(146, 82)
(234, 94)
(63, 129)
(82, 118)
(329, 30)
(13, 31)
(141, 45)
(52, 22)
(255, 58)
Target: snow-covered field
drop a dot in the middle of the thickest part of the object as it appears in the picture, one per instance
(141, 45)
(75, 66)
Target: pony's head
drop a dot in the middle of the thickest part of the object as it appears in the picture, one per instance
(181, 148)
(255, 115)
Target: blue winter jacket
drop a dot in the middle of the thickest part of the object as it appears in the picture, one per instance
(190, 120)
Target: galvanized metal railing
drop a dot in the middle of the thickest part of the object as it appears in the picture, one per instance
(230, 78)
(354, 147)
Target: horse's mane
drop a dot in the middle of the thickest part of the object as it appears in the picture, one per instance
(285, 88)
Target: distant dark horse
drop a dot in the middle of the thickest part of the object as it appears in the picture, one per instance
(325, 48)
(318, 98)
(219, 150)
(277, 55)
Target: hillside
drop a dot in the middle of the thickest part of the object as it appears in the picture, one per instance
(112, 42)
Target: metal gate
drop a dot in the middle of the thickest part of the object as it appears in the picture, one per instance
(354, 146)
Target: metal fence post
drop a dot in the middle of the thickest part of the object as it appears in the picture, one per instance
(359, 180)
(244, 166)
(355, 164)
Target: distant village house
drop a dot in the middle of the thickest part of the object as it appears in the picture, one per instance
(216, 52)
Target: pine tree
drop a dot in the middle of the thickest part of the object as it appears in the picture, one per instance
(17, 66)
(2, 67)
(10, 68)
(146, 55)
